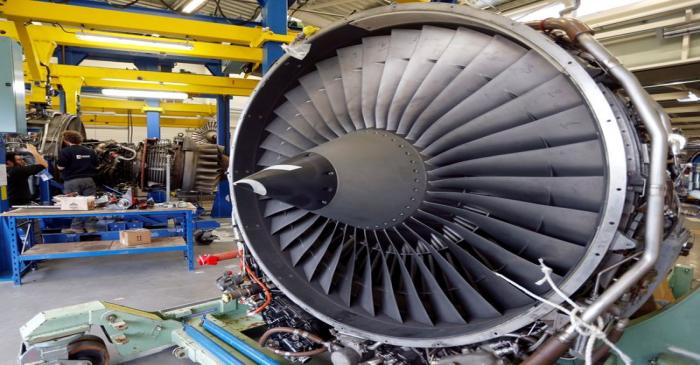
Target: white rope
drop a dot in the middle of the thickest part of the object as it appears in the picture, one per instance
(592, 331)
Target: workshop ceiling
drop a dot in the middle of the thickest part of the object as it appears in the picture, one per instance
(630, 30)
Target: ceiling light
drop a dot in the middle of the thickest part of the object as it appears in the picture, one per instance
(192, 5)
(147, 94)
(691, 98)
(133, 41)
(146, 82)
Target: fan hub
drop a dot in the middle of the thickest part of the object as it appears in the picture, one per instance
(381, 179)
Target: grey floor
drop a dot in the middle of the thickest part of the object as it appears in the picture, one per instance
(149, 282)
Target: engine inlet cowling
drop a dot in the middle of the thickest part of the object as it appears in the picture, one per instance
(460, 145)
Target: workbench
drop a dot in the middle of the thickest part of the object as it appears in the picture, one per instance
(23, 255)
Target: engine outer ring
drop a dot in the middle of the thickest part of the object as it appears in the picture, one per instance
(286, 68)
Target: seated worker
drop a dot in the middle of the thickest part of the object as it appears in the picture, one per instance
(78, 166)
(18, 173)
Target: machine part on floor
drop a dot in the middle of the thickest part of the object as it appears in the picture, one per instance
(204, 238)
(209, 332)
(416, 149)
(133, 333)
(213, 259)
(89, 348)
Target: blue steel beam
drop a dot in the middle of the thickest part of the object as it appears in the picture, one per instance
(152, 117)
(222, 201)
(274, 14)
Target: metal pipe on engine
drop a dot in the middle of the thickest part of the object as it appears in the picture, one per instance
(577, 31)
(167, 177)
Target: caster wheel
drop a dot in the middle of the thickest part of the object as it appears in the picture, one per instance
(90, 348)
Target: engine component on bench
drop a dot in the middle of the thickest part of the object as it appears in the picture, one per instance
(115, 162)
(194, 166)
(206, 133)
(54, 124)
(383, 180)
(197, 163)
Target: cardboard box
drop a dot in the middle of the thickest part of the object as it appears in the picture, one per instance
(135, 237)
(78, 203)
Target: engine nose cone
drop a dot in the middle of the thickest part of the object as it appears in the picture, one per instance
(369, 179)
(306, 181)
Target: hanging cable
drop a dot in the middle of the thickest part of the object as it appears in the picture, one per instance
(261, 284)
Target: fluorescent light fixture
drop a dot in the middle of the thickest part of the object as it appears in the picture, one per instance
(150, 82)
(113, 114)
(192, 6)
(596, 7)
(95, 112)
(133, 41)
(691, 98)
(146, 94)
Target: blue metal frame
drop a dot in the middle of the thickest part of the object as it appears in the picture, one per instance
(222, 207)
(211, 346)
(152, 120)
(274, 14)
(19, 261)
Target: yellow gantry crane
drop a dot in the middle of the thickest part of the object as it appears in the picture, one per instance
(42, 26)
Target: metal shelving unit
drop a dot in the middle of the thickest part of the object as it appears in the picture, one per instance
(51, 251)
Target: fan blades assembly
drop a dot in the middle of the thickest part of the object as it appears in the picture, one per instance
(411, 156)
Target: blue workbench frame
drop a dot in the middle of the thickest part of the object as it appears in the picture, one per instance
(20, 262)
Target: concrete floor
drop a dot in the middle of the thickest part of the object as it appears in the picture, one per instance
(149, 282)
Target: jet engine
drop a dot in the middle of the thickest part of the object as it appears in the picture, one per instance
(389, 179)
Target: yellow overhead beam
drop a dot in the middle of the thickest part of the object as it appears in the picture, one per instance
(178, 109)
(139, 121)
(50, 33)
(114, 20)
(153, 80)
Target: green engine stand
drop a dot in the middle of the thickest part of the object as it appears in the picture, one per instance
(131, 333)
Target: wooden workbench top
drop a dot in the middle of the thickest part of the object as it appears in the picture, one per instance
(27, 212)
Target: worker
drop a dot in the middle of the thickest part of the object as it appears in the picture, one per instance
(18, 173)
(78, 166)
